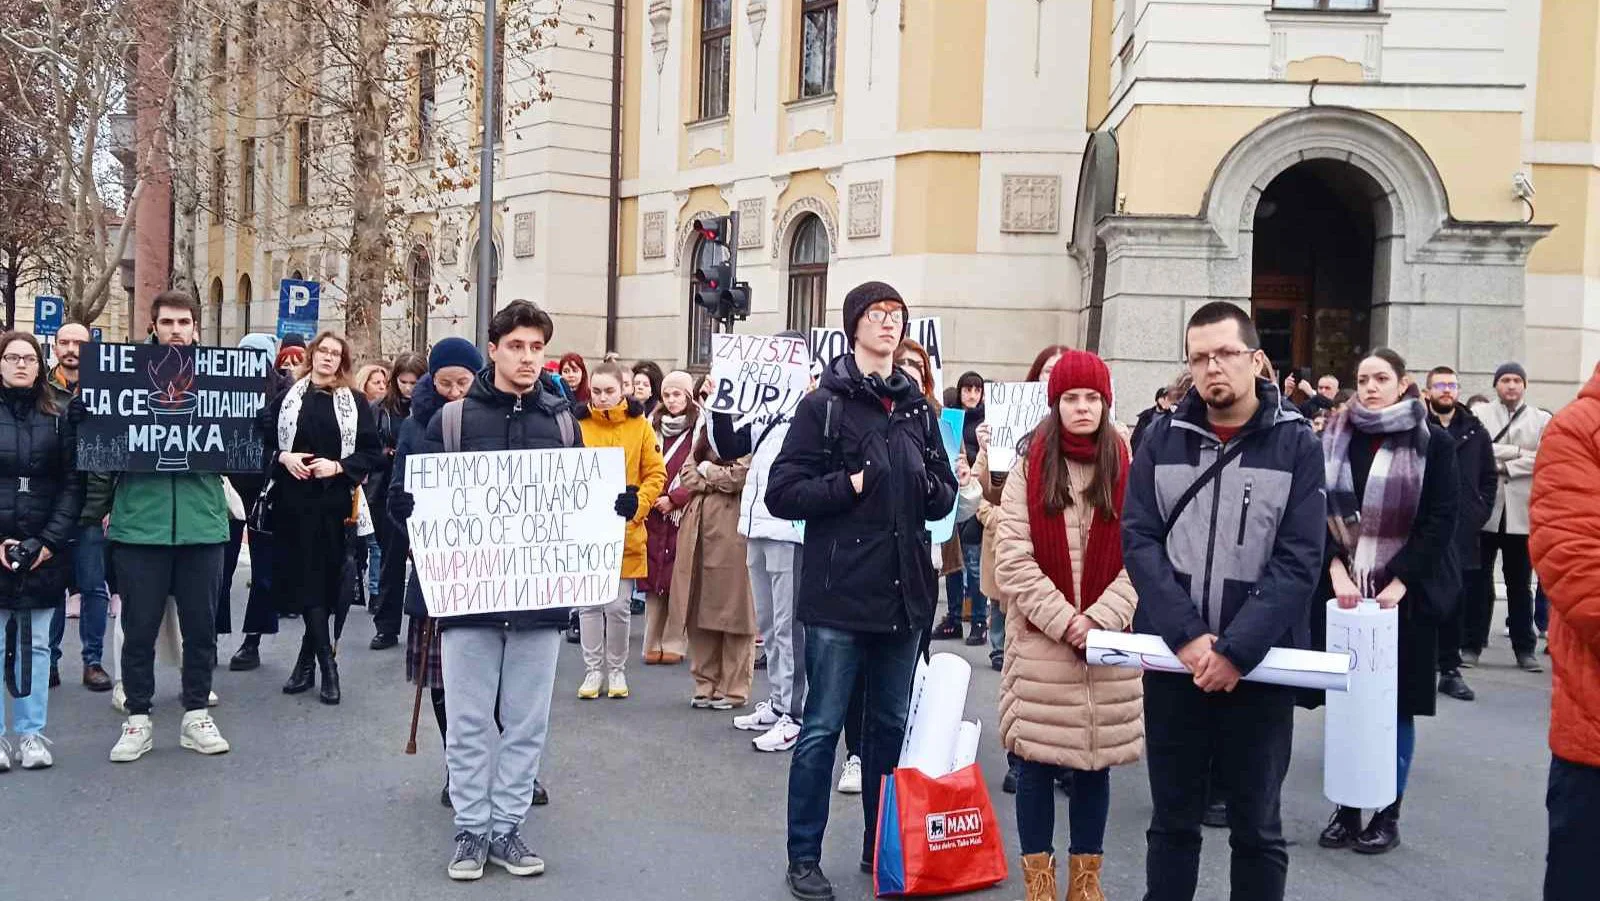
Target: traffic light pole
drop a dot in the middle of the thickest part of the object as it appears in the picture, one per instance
(486, 253)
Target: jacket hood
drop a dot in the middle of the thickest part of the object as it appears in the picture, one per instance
(544, 395)
(425, 401)
(1191, 411)
(622, 413)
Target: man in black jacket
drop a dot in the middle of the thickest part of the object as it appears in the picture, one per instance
(1477, 477)
(509, 407)
(864, 466)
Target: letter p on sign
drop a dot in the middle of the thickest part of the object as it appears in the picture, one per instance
(299, 298)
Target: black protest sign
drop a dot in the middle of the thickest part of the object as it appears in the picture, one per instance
(155, 408)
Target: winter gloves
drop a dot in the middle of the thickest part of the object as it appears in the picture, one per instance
(627, 505)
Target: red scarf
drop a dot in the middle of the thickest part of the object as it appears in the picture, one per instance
(1050, 548)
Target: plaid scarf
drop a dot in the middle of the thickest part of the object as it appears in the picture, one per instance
(1371, 529)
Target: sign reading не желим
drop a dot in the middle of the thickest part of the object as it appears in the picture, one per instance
(155, 408)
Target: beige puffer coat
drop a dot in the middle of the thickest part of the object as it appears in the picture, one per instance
(989, 517)
(1054, 707)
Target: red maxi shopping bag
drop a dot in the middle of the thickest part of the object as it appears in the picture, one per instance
(937, 836)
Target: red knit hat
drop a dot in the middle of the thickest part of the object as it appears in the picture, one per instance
(1080, 369)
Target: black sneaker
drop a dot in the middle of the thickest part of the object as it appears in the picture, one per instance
(1451, 684)
(541, 797)
(383, 641)
(247, 658)
(510, 851)
(636, 606)
(979, 636)
(807, 883)
(1009, 784)
(949, 627)
(472, 852)
(761, 662)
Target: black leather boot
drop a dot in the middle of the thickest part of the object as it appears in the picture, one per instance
(248, 656)
(330, 676)
(304, 674)
(1343, 827)
(1383, 833)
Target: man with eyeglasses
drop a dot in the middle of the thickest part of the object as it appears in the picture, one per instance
(1477, 480)
(89, 545)
(864, 466)
(1222, 533)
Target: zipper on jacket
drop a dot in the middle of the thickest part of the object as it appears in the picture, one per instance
(1244, 511)
(1211, 547)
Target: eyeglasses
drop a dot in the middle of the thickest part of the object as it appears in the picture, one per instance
(893, 317)
(20, 359)
(1225, 357)
(1446, 386)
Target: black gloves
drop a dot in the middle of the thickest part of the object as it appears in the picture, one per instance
(20, 557)
(627, 505)
(402, 505)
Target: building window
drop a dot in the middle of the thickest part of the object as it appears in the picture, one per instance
(247, 177)
(499, 78)
(219, 184)
(701, 325)
(420, 273)
(716, 46)
(819, 33)
(215, 310)
(245, 299)
(300, 183)
(1333, 5)
(248, 33)
(426, 80)
(808, 276)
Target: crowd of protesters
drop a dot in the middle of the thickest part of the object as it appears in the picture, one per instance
(799, 545)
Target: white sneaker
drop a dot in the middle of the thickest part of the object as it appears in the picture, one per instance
(617, 685)
(850, 779)
(119, 699)
(212, 700)
(781, 737)
(138, 737)
(759, 720)
(199, 733)
(35, 756)
(590, 689)
(5, 756)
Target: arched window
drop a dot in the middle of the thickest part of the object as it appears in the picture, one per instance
(419, 270)
(245, 299)
(701, 325)
(215, 310)
(808, 275)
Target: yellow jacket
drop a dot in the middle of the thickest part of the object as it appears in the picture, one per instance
(626, 427)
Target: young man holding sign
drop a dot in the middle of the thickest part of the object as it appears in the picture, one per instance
(509, 407)
(864, 466)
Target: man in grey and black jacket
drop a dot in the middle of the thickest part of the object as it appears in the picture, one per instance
(1222, 579)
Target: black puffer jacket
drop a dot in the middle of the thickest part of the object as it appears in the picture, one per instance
(425, 403)
(41, 493)
(867, 564)
(1476, 474)
(493, 420)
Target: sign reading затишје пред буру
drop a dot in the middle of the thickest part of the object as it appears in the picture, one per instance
(159, 408)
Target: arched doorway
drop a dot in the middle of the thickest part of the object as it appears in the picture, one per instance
(1312, 267)
(808, 275)
(245, 298)
(214, 310)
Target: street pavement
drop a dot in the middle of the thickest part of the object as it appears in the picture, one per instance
(650, 799)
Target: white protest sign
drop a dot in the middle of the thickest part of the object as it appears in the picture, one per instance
(1011, 410)
(1358, 733)
(1321, 670)
(827, 343)
(758, 377)
(499, 531)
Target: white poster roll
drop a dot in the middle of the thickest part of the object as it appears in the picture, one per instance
(918, 679)
(967, 745)
(931, 739)
(1358, 758)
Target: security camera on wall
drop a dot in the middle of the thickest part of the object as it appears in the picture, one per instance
(1522, 185)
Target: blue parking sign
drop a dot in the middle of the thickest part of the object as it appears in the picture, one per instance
(48, 314)
(299, 305)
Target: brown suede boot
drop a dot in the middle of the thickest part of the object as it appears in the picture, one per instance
(1039, 877)
(1083, 881)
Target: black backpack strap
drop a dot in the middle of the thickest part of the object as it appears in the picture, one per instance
(1509, 423)
(831, 414)
(1205, 479)
(450, 425)
(19, 643)
(568, 426)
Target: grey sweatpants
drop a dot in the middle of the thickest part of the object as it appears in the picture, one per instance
(604, 631)
(774, 572)
(489, 785)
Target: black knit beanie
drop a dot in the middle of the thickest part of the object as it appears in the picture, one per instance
(865, 295)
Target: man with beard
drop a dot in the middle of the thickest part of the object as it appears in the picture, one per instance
(1222, 533)
(89, 550)
(1476, 475)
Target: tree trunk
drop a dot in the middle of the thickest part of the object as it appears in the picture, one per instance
(369, 239)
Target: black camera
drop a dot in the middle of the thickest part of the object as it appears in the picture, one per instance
(20, 556)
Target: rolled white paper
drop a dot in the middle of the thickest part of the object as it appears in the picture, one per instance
(919, 677)
(966, 745)
(1282, 666)
(931, 734)
(1358, 758)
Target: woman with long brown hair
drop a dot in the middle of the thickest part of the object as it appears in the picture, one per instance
(676, 422)
(386, 564)
(320, 443)
(1059, 563)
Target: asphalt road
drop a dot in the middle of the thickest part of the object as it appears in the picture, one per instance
(650, 799)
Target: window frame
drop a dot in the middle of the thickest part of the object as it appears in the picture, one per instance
(809, 277)
(247, 177)
(500, 80)
(300, 175)
(1322, 6)
(829, 9)
(713, 37)
(420, 290)
(219, 184)
(427, 100)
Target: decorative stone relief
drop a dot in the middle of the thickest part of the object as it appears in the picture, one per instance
(752, 227)
(685, 226)
(660, 14)
(1372, 56)
(756, 12)
(1031, 204)
(831, 176)
(780, 183)
(449, 244)
(522, 235)
(711, 134)
(654, 241)
(866, 209)
(815, 114)
(799, 208)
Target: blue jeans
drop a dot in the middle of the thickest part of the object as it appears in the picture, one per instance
(972, 556)
(89, 572)
(1086, 812)
(833, 659)
(955, 586)
(997, 632)
(374, 565)
(28, 712)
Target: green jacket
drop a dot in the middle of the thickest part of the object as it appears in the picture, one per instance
(167, 509)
